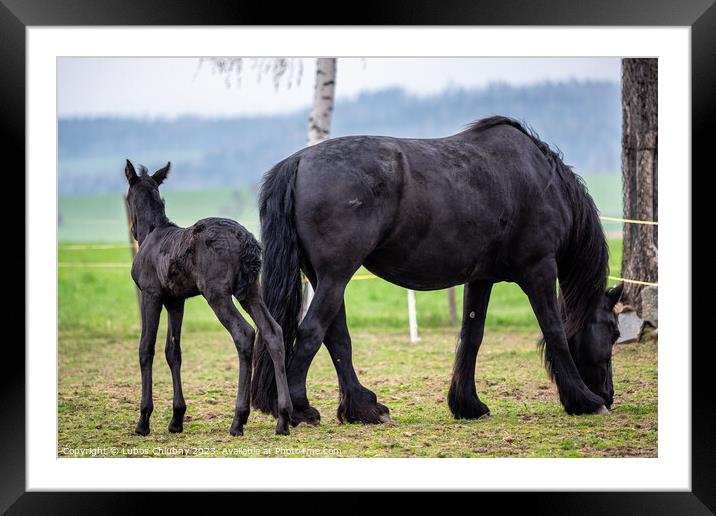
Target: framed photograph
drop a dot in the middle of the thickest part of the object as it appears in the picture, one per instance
(399, 251)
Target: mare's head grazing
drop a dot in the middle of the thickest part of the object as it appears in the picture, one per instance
(146, 207)
(591, 346)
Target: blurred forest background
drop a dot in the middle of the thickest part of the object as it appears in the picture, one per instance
(218, 162)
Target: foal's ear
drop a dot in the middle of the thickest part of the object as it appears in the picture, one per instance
(614, 294)
(160, 175)
(130, 173)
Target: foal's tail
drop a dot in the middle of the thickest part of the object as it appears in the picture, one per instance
(281, 277)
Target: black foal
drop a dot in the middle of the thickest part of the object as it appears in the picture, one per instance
(217, 258)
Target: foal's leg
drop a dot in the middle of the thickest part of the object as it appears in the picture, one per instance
(462, 397)
(324, 307)
(172, 351)
(270, 332)
(357, 404)
(151, 311)
(573, 393)
(243, 335)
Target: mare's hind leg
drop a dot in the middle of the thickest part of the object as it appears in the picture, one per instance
(172, 352)
(463, 400)
(324, 307)
(243, 335)
(270, 333)
(151, 308)
(357, 404)
(540, 289)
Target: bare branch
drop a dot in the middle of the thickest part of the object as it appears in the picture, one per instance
(280, 69)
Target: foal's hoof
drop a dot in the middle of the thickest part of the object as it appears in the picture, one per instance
(142, 430)
(602, 411)
(309, 415)
(283, 430)
(176, 428)
(236, 431)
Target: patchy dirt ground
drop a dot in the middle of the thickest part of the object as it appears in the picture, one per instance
(99, 390)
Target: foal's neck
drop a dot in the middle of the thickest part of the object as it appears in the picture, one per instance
(151, 220)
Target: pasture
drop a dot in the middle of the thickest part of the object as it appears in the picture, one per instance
(99, 382)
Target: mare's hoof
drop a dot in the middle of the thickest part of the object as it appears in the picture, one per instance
(467, 408)
(236, 431)
(602, 411)
(309, 415)
(384, 418)
(176, 428)
(143, 431)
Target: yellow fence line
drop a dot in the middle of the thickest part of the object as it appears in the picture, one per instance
(360, 277)
(357, 277)
(630, 221)
(616, 278)
(81, 247)
(637, 282)
(95, 265)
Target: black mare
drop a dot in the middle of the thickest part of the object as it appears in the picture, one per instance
(217, 258)
(492, 203)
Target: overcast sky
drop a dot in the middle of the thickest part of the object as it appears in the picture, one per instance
(170, 87)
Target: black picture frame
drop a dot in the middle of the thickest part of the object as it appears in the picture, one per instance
(17, 15)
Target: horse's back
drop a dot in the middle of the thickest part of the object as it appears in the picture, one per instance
(220, 236)
(213, 255)
(487, 165)
(428, 213)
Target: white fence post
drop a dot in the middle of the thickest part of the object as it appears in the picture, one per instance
(307, 298)
(412, 317)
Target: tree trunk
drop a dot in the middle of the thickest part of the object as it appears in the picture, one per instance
(319, 124)
(639, 174)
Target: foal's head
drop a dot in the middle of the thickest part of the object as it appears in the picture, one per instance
(146, 207)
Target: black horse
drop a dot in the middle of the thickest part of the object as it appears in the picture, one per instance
(217, 258)
(492, 203)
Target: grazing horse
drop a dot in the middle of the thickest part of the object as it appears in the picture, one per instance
(217, 258)
(490, 204)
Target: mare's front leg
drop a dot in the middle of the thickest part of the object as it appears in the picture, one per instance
(463, 400)
(172, 351)
(151, 307)
(243, 335)
(270, 333)
(539, 286)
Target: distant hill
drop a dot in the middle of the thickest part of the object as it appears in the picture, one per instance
(583, 119)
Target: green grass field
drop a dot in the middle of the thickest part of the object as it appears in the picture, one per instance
(99, 381)
(96, 300)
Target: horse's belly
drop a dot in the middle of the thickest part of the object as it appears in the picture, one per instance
(419, 271)
(432, 249)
